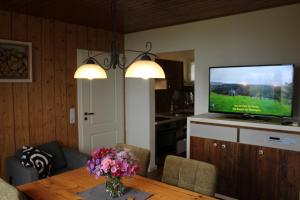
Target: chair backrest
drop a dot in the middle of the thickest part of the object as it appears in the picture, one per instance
(190, 174)
(142, 154)
(8, 192)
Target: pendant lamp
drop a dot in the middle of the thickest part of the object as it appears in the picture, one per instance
(141, 67)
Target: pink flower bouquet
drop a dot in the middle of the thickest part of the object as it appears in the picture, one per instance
(114, 164)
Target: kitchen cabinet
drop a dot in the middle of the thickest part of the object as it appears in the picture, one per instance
(170, 137)
(165, 141)
(174, 73)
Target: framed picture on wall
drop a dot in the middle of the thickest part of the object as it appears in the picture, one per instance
(15, 61)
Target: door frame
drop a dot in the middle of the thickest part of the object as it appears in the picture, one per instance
(79, 107)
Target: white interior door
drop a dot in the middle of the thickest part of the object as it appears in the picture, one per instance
(103, 101)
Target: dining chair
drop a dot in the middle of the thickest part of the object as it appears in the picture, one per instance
(142, 154)
(190, 174)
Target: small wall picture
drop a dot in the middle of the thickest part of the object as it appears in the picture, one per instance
(15, 61)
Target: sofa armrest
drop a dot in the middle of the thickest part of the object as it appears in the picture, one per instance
(17, 174)
(75, 159)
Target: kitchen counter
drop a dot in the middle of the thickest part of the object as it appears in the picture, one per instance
(163, 118)
(170, 135)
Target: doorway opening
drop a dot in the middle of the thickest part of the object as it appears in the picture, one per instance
(174, 102)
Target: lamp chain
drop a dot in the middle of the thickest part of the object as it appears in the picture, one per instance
(114, 60)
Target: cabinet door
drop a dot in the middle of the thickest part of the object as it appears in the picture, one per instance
(198, 149)
(289, 175)
(267, 173)
(174, 73)
(224, 156)
(247, 161)
(258, 172)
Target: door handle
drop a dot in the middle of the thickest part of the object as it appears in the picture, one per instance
(87, 113)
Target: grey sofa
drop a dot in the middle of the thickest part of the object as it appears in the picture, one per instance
(65, 159)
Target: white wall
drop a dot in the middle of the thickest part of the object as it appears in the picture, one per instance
(261, 37)
(140, 108)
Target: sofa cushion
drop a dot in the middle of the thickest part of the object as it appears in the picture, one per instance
(40, 160)
(55, 149)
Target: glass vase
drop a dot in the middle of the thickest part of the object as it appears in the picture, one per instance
(114, 186)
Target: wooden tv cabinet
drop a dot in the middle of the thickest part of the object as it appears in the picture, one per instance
(257, 160)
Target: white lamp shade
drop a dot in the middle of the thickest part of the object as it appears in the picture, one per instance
(90, 71)
(145, 69)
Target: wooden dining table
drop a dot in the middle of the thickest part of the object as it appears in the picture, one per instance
(67, 185)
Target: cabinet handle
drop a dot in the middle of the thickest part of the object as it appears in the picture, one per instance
(223, 146)
(215, 144)
(260, 152)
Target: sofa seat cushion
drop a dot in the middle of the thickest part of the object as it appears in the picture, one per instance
(55, 149)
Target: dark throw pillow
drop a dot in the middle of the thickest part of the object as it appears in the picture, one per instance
(40, 160)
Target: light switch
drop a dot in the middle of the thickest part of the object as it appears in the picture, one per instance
(72, 116)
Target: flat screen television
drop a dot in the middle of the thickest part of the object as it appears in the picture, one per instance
(252, 90)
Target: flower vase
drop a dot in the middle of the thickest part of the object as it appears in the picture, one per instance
(114, 186)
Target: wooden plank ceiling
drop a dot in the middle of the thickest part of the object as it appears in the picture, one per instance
(136, 15)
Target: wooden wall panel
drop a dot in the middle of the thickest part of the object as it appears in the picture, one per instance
(20, 90)
(38, 112)
(108, 38)
(60, 90)
(48, 82)
(100, 40)
(81, 37)
(35, 106)
(71, 83)
(92, 38)
(7, 146)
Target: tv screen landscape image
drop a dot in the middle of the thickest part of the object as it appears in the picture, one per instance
(252, 90)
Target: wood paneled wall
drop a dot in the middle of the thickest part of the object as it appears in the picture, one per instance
(38, 112)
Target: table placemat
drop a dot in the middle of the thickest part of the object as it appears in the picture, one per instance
(99, 192)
